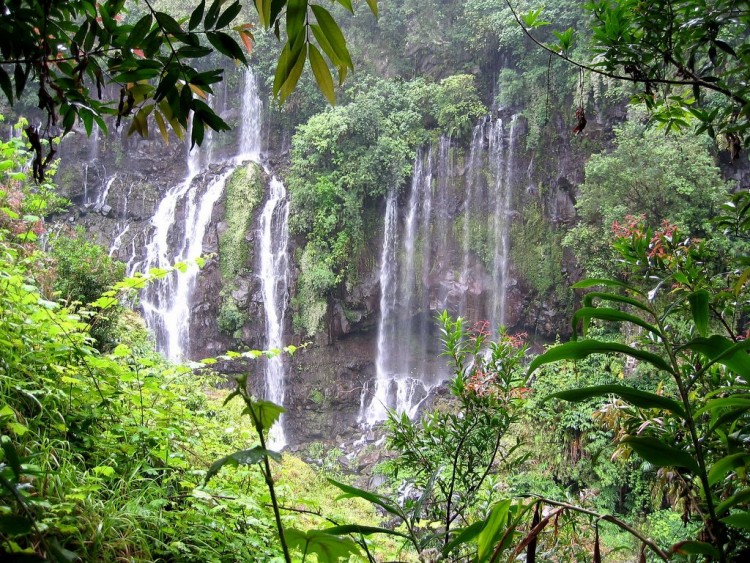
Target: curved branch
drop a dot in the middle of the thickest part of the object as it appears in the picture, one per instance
(608, 518)
(696, 81)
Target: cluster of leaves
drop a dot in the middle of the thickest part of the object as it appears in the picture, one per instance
(99, 450)
(687, 330)
(570, 450)
(82, 272)
(689, 57)
(69, 49)
(74, 50)
(448, 455)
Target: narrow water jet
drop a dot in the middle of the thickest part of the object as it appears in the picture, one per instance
(274, 276)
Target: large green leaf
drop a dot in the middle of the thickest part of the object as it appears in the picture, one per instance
(226, 45)
(739, 497)
(244, 457)
(584, 348)
(607, 314)
(699, 308)
(725, 465)
(588, 300)
(608, 283)
(322, 74)
(660, 453)
(293, 77)
(722, 350)
(327, 547)
(379, 500)
(13, 525)
(737, 403)
(139, 32)
(694, 548)
(229, 14)
(465, 535)
(264, 413)
(296, 16)
(738, 520)
(333, 33)
(197, 15)
(288, 61)
(365, 530)
(642, 399)
(495, 527)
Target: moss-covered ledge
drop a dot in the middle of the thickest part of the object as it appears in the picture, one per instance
(243, 196)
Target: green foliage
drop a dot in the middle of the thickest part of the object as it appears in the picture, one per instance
(244, 193)
(83, 271)
(479, 236)
(672, 177)
(704, 55)
(315, 281)
(662, 177)
(692, 427)
(457, 105)
(571, 451)
(231, 319)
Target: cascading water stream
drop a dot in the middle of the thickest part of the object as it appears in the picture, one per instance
(472, 206)
(427, 265)
(403, 379)
(179, 227)
(274, 275)
(501, 163)
(166, 305)
(384, 377)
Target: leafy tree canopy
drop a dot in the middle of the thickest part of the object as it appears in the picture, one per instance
(689, 56)
(73, 51)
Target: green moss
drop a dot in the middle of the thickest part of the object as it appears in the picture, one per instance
(244, 193)
(479, 236)
(537, 251)
(231, 318)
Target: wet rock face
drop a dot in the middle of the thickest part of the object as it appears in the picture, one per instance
(324, 386)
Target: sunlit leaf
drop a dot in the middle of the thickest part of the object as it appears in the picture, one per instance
(584, 348)
(327, 547)
(641, 399)
(661, 454)
(244, 457)
(384, 502)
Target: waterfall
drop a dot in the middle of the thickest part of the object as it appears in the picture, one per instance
(179, 226)
(177, 232)
(384, 377)
(472, 206)
(101, 198)
(402, 378)
(429, 264)
(501, 163)
(274, 275)
(250, 126)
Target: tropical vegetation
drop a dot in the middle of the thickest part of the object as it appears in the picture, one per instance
(630, 439)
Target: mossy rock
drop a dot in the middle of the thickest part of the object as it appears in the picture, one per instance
(244, 194)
